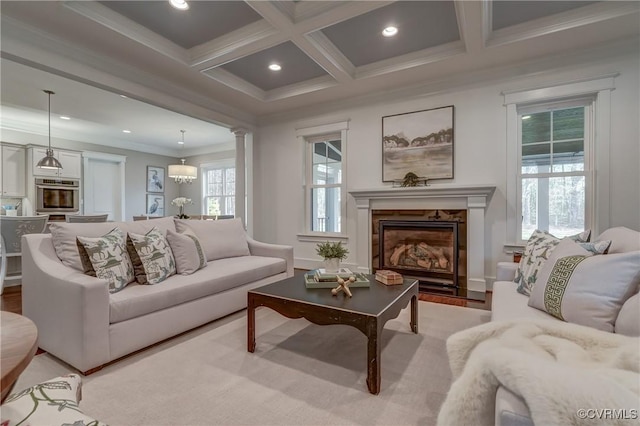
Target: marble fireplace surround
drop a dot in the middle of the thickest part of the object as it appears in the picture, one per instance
(473, 198)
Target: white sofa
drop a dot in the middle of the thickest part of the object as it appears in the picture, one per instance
(508, 304)
(84, 325)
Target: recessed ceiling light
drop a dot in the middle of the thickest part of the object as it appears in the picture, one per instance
(526, 117)
(126, 131)
(64, 117)
(180, 142)
(390, 31)
(124, 96)
(275, 67)
(179, 4)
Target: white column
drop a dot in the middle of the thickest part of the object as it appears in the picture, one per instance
(363, 235)
(475, 242)
(240, 174)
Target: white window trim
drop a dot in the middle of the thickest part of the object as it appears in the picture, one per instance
(601, 89)
(302, 134)
(216, 164)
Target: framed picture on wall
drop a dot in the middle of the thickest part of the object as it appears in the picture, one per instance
(420, 142)
(155, 205)
(155, 179)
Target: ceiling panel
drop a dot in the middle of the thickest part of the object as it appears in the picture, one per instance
(204, 21)
(420, 25)
(296, 67)
(508, 13)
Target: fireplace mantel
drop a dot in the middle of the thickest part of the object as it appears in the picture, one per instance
(431, 191)
(473, 198)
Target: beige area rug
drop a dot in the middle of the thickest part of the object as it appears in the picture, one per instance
(300, 374)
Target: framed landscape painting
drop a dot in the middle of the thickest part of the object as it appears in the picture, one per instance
(155, 179)
(155, 205)
(420, 142)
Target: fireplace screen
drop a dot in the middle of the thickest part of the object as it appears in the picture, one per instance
(424, 248)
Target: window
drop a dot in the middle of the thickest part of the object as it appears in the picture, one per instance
(219, 189)
(554, 167)
(552, 159)
(324, 181)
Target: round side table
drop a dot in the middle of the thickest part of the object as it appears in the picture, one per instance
(19, 342)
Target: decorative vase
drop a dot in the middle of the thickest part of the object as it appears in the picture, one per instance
(332, 265)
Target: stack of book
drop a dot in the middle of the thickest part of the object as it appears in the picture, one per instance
(321, 275)
(388, 277)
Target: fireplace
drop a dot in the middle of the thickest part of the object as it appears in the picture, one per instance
(465, 204)
(427, 250)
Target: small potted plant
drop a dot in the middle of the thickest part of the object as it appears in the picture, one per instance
(332, 253)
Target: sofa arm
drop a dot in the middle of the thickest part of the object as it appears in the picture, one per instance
(70, 309)
(506, 271)
(258, 248)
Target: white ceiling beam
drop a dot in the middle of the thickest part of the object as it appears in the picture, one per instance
(469, 15)
(410, 60)
(231, 42)
(28, 45)
(346, 11)
(128, 28)
(321, 43)
(586, 15)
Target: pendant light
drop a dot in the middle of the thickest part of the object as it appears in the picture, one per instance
(49, 161)
(183, 173)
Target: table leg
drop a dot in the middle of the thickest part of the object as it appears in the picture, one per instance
(373, 356)
(251, 323)
(414, 314)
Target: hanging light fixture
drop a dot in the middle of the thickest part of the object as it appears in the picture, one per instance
(49, 161)
(183, 173)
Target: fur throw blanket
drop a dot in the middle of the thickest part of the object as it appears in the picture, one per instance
(557, 368)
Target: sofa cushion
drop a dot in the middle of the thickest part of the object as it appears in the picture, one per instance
(218, 276)
(219, 238)
(109, 259)
(580, 288)
(54, 402)
(628, 321)
(622, 239)
(151, 256)
(187, 251)
(63, 235)
(507, 304)
(538, 248)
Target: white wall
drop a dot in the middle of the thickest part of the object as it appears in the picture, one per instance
(479, 150)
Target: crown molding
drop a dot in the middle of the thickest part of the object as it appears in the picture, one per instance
(128, 28)
(410, 60)
(586, 15)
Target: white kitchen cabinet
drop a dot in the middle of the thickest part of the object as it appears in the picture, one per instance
(14, 171)
(71, 163)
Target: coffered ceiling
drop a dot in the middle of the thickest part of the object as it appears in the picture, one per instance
(216, 54)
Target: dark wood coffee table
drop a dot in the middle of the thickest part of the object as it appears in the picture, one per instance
(368, 310)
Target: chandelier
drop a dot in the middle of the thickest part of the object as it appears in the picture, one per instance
(183, 173)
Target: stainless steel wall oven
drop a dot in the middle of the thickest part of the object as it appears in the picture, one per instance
(57, 195)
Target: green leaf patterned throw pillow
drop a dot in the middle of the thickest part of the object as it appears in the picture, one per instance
(108, 258)
(537, 251)
(152, 257)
